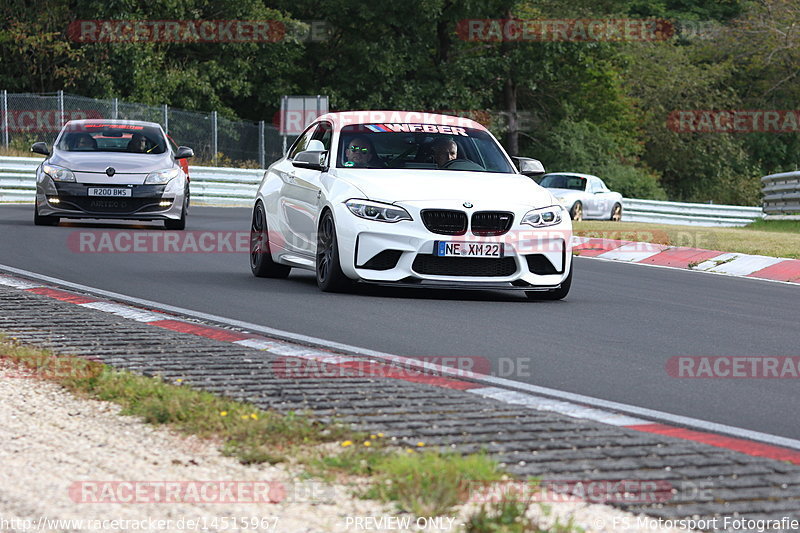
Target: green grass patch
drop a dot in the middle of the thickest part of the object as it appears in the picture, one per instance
(770, 238)
(510, 516)
(246, 432)
(781, 226)
(423, 482)
(430, 483)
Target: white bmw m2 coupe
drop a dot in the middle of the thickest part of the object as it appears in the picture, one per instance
(409, 199)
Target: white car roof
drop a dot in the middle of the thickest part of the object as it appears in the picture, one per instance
(347, 118)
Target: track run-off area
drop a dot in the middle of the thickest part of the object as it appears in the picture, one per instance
(614, 338)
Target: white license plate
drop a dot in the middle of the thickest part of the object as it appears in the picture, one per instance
(109, 191)
(467, 249)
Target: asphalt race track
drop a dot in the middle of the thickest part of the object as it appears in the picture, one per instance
(611, 338)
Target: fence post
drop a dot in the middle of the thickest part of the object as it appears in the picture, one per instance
(61, 106)
(284, 108)
(5, 118)
(115, 108)
(214, 136)
(165, 111)
(261, 147)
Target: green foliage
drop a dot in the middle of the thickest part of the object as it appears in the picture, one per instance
(596, 107)
(584, 147)
(429, 483)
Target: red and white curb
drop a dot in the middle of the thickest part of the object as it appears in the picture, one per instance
(696, 259)
(413, 370)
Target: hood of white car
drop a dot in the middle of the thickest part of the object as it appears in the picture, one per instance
(561, 193)
(398, 185)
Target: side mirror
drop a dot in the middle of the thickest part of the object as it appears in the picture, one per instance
(313, 159)
(184, 152)
(40, 148)
(530, 167)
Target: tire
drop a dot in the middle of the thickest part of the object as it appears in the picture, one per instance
(555, 294)
(576, 213)
(39, 220)
(179, 224)
(330, 277)
(261, 262)
(616, 213)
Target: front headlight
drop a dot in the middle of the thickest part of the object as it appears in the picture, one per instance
(546, 216)
(561, 200)
(377, 211)
(160, 177)
(58, 173)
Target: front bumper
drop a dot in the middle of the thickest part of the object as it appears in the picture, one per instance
(402, 254)
(71, 200)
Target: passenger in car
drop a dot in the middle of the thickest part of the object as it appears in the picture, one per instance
(444, 151)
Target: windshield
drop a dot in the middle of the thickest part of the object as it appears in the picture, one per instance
(420, 146)
(563, 181)
(131, 138)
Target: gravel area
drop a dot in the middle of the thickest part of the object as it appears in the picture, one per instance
(61, 453)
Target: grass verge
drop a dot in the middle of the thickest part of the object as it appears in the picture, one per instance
(425, 483)
(778, 238)
(421, 482)
(246, 432)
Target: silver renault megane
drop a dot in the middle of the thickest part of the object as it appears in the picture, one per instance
(116, 169)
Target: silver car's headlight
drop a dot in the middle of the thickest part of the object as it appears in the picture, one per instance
(546, 216)
(160, 177)
(58, 173)
(377, 211)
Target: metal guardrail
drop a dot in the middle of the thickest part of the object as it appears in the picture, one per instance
(653, 211)
(220, 186)
(781, 195)
(236, 187)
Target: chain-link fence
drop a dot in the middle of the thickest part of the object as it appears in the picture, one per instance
(26, 118)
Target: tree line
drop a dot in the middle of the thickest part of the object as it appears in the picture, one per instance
(660, 98)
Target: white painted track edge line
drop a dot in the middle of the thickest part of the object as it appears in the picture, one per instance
(651, 414)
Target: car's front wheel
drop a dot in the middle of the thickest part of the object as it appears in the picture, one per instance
(616, 213)
(330, 277)
(39, 220)
(554, 294)
(179, 224)
(261, 262)
(576, 213)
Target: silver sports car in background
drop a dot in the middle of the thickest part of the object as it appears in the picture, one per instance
(584, 196)
(116, 169)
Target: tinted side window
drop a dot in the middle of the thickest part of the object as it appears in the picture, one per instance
(302, 142)
(324, 133)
